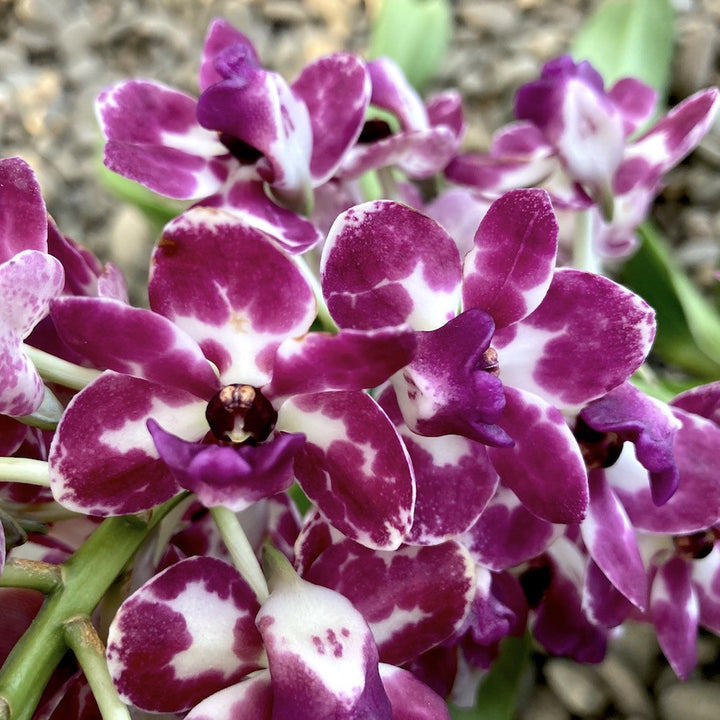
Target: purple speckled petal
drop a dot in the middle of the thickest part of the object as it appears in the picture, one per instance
(545, 468)
(234, 477)
(354, 466)
(674, 612)
(184, 635)
(399, 594)
(250, 698)
(459, 210)
(449, 388)
(386, 264)
(646, 422)
(445, 108)
(508, 272)
(603, 603)
(321, 654)
(236, 294)
(28, 282)
(696, 503)
(155, 139)
(350, 360)
(706, 581)
(664, 145)
(419, 153)
(336, 91)
(248, 200)
(610, 540)
(134, 341)
(411, 699)
(23, 218)
(102, 458)
(391, 91)
(586, 337)
(635, 100)
(507, 533)
(703, 400)
(221, 35)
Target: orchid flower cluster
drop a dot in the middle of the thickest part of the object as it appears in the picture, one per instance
(354, 442)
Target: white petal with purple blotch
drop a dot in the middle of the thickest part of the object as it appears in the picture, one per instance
(353, 466)
(28, 282)
(250, 698)
(587, 336)
(386, 264)
(392, 91)
(184, 635)
(706, 580)
(231, 290)
(510, 268)
(411, 699)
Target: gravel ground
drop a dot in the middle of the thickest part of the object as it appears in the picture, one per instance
(55, 55)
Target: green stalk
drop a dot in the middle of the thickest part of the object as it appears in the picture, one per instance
(87, 576)
(54, 369)
(33, 574)
(24, 470)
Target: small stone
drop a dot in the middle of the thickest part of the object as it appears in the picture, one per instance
(694, 57)
(627, 690)
(693, 700)
(543, 705)
(578, 687)
(494, 18)
(637, 645)
(285, 11)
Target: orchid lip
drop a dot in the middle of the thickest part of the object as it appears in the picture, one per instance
(240, 413)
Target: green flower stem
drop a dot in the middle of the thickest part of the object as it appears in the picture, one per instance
(24, 470)
(87, 576)
(322, 310)
(33, 574)
(584, 254)
(82, 638)
(53, 369)
(240, 550)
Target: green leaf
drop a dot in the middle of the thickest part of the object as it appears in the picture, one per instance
(629, 38)
(688, 327)
(415, 34)
(497, 694)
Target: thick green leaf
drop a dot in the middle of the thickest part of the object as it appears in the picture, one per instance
(629, 38)
(415, 34)
(688, 327)
(497, 694)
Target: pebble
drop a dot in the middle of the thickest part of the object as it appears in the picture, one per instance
(578, 687)
(628, 692)
(542, 704)
(693, 700)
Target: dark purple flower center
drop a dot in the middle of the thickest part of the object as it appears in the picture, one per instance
(599, 449)
(374, 130)
(240, 414)
(534, 582)
(696, 545)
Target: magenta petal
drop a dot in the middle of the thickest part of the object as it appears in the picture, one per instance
(350, 360)
(398, 593)
(234, 477)
(336, 91)
(545, 468)
(445, 108)
(674, 612)
(703, 400)
(218, 279)
(321, 654)
(134, 341)
(250, 698)
(385, 264)
(354, 466)
(507, 533)
(610, 540)
(102, 458)
(509, 271)
(221, 35)
(449, 388)
(706, 581)
(636, 101)
(411, 699)
(587, 336)
(23, 218)
(603, 603)
(391, 91)
(184, 635)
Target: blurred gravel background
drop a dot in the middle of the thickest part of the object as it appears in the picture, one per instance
(55, 55)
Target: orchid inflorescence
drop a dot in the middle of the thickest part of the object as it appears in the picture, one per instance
(417, 408)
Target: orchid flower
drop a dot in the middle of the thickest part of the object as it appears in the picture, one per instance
(220, 390)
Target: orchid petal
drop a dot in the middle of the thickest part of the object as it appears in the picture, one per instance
(391, 91)
(507, 534)
(635, 100)
(545, 468)
(674, 612)
(385, 264)
(184, 635)
(336, 91)
(155, 139)
(703, 400)
(411, 699)
(250, 698)
(603, 603)
(214, 277)
(28, 282)
(706, 581)
(350, 360)
(397, 592)
(23, 218)
(610, 540)
(221, 35)
(586, 337)
(445, 108)
(354, 466)
(508, 272)
(134, 341)
(102, 458)
(321, 654)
